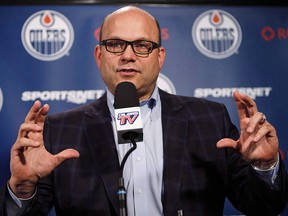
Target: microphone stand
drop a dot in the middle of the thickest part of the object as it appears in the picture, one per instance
(121, 187)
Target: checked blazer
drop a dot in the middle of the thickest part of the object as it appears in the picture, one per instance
(197, 176)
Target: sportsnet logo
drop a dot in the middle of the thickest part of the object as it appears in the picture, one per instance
(129, 117)
(47, 35)
(216, 34)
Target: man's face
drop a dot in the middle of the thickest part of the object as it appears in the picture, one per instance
(143, 71)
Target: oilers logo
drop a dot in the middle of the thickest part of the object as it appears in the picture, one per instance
(47, 35)
(216, 34)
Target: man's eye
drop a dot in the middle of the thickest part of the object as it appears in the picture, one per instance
(143, 45)
(115, 44)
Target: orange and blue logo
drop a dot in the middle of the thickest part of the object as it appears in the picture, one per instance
(127, 117)
(216, 34)
(47, 35)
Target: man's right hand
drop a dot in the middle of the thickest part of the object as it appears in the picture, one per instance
(30, 161)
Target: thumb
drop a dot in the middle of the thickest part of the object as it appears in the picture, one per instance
(227, 142)
(66, 154)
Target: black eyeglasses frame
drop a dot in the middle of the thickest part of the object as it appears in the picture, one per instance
(154, 46)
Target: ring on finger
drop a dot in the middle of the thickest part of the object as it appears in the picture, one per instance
(263, 119)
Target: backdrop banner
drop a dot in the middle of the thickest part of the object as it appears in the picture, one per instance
(47, 53)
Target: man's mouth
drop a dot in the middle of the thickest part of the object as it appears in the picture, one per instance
(127, 71)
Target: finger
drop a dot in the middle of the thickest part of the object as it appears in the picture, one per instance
(227, 142)
(25, 128)
(255, 122)
(263, 119)
(64, 155)
(42, 114)
(262, 132)
(37, 113)
(26, 142)
(35, 136)
(246, 107)
(23, 144)
(33, 112)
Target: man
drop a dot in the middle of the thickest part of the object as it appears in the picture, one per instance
(192, 156)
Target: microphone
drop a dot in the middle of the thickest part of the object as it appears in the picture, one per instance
(127, 113)
(129, 129)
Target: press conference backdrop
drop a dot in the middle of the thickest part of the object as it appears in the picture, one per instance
(47, 54)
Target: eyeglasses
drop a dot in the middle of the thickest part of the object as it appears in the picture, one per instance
(139, 47)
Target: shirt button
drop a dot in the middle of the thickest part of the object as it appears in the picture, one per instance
(140, 191)
(138, 159)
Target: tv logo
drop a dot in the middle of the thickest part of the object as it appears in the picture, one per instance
(129, 117)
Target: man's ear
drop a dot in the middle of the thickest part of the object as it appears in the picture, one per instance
(97, 55)
(161, 56)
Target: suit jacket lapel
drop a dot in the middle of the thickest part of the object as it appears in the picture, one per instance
(174, 122)
(101, 141)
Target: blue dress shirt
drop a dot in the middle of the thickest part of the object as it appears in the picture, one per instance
(143, 170)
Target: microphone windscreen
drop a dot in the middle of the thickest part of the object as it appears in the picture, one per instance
(126, 95)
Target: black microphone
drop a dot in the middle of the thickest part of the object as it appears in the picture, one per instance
(129, 129)
(127, 113)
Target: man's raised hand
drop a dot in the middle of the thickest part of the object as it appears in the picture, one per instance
(30, 161)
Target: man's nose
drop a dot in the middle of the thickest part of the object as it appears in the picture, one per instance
(128, 53)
